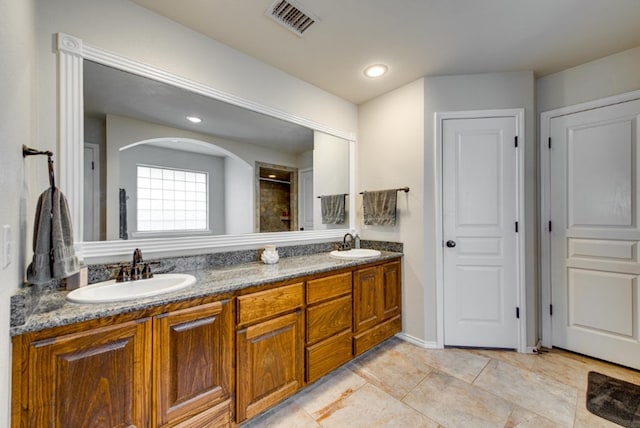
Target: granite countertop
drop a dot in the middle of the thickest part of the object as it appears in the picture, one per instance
(54, 310)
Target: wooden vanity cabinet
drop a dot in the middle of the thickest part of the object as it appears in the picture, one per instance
(328, 328)
(193, 365)
(269, 348)
(93, 378)
(377, 293)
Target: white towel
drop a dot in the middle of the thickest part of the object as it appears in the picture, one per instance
(53, 253)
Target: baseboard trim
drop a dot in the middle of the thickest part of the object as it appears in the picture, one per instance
(418, 342)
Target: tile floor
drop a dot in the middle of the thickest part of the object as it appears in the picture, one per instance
(399, 384)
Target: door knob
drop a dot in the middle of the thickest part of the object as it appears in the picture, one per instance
(451, 244)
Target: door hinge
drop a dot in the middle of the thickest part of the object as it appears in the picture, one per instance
(549, 226)
(516, 140)
(517, 312)
(93, 165)
(516, 227)
(550, 309)
(549, 142)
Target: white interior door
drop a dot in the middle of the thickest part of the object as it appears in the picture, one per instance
(306, 199)
(480, 248)
(594, 232)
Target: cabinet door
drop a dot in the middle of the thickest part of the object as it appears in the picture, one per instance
(95, 378)
(367, 294)
(391, 289)
(270, 363)
(192, 367)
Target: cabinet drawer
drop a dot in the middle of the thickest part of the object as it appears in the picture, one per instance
(328, 318)
(269, 303)
(328, 355)
(218, 416)
(370, 338)
(328, 287)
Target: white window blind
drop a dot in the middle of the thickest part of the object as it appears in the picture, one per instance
(171, 199)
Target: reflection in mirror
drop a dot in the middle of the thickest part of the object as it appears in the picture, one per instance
(150, 172)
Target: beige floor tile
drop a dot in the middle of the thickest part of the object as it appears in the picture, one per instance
(329, 393)
(370, 407)
(532, 391)
(455, 403)
(517, 359)
(566, 370)
(286, 415)
(460, 363)
(522, 418)
(392, 368)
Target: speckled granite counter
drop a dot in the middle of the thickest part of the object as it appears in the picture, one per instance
(54, 310)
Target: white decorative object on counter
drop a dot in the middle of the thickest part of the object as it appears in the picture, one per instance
(270, 255)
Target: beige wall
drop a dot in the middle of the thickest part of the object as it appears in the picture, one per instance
(611, 75)
(390, 154)
(17, 88)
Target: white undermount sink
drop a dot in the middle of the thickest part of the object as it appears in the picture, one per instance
(112, 291)
(356, 253)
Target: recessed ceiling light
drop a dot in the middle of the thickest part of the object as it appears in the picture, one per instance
(194, 119)
(375, 70)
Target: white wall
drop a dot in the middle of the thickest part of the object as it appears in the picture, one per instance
(390, 154)
(17, 89)
(482, 92)
(611, 75)
(330, 174)
(396, 148)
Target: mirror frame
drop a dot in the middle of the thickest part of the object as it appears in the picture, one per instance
(71, 52)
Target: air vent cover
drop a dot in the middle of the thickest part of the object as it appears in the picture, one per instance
(291, 16)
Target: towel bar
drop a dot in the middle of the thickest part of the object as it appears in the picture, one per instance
(401, 189)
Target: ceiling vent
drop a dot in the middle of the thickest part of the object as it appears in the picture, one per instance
(291, 15)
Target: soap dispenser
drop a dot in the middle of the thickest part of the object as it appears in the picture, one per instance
(357, 241)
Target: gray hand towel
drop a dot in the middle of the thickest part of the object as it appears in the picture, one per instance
(53, 253)
(332, 208)
(379, 207)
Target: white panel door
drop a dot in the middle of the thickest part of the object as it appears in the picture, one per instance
(306, 199)
(594, 233)
(479, 230)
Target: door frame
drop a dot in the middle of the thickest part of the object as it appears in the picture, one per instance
(518, 115)
(95, 191)
(545, 200)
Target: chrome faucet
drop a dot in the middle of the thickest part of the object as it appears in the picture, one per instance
(346, 245)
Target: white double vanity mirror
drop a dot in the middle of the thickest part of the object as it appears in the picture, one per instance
(153, 178)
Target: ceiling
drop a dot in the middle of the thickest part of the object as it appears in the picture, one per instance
(415, 38)
(110, 91)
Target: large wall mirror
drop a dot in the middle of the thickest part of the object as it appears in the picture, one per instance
(165, 164)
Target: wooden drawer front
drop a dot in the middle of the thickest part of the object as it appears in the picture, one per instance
(328, 355)
(267, 304)
(215, 417)
(328, 318)
(370, 338)
(328, 287)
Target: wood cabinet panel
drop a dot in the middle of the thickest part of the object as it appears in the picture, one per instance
(328, 355)
(328, 287)
(270, 363)
(391, 289)
(370, 338)
(94, 378)
(327, 319)
(367, 292)
(192, 364)
(266, 304)
(215, 417)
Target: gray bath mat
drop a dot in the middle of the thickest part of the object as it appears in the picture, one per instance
(614, 399)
